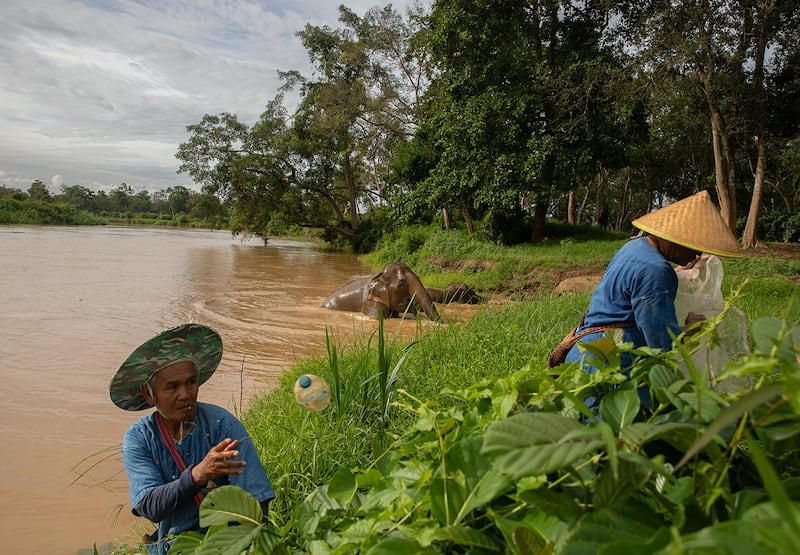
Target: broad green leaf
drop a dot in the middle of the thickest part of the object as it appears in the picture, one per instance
(229, 504)
(610, 443)
(186, 543)
(619, 407)
(464, 535)
(634, 547)
(661, 376)
(630, 521)
(767, 332)
(393, 545)
(537, 443)
(504, 397)
(527, 542)
(318, 547)
(268, 541)
(765, 511)
(611, 488)
(650, 465)
(465, 456)
(447, 495)
(230, 541)
(540, 523)
(552, 502)
(709, 407)
(733, 536)
(342, 486)
(783, 505)
(312, 510)
(369, 478)
(481, 483)
(360, 531)
(677, 434)
(491, 485)
(729, 416)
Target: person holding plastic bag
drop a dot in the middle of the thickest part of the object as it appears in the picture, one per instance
(700, 292)
(638, 289)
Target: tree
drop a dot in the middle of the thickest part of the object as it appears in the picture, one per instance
(205, 206)
(178, 198)
(323, 165)
(79, 196)
(120, 197)
(141, 203)
(9, 192)
(522, 105)
(38, 191)
(724, 45)
(773, 30)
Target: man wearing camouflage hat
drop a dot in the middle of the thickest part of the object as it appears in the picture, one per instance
(179, 452)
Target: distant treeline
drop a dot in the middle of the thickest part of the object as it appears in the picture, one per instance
(78, 205)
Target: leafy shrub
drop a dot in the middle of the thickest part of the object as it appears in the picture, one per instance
(401, 245)
(522, 466)
(14, 211)
(776, 226)
(556, 229)
(507, 227)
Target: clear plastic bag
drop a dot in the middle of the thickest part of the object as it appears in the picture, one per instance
(700, 291)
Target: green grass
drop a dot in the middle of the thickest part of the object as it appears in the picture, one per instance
(442, 257)
(302, 450)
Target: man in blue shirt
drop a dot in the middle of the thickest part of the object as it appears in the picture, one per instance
(183, 449)
(637, 291)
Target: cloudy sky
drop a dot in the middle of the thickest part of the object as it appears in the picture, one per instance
(99, 92)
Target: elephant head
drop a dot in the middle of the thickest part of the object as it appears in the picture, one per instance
(397, 291)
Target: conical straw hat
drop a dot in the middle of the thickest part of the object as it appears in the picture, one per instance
(693, 222)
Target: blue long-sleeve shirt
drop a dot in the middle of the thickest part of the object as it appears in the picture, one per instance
(161, 493)
(638, 286)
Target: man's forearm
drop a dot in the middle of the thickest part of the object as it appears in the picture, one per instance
(162, 501)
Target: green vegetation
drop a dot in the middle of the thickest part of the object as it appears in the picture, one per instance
(500, 116)
(461, 441)
(496, 115)
(77, 205)
(14, 211)
(511, 461)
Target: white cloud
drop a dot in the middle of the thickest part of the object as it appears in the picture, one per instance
(99, 92)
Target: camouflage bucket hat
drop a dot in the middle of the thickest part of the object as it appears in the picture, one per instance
(193, 342)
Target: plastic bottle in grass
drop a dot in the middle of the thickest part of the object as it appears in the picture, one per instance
(312, 392)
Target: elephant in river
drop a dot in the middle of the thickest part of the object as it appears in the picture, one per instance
(397, 292)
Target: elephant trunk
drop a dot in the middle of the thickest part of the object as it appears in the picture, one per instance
(422, 296)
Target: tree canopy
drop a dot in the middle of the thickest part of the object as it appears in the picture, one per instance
(509, 112)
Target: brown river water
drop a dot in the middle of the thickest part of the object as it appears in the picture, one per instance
(75, 301)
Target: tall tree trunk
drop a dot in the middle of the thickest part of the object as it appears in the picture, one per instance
(543, 199)
(351, 192)
(723, 168)
(765, 8)
(579, 217)
(624, 202)
(601, 214)
(749, 239)
(571, 207)
(446, 216)
(724, 149)
(539, 220)
(468, 218)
